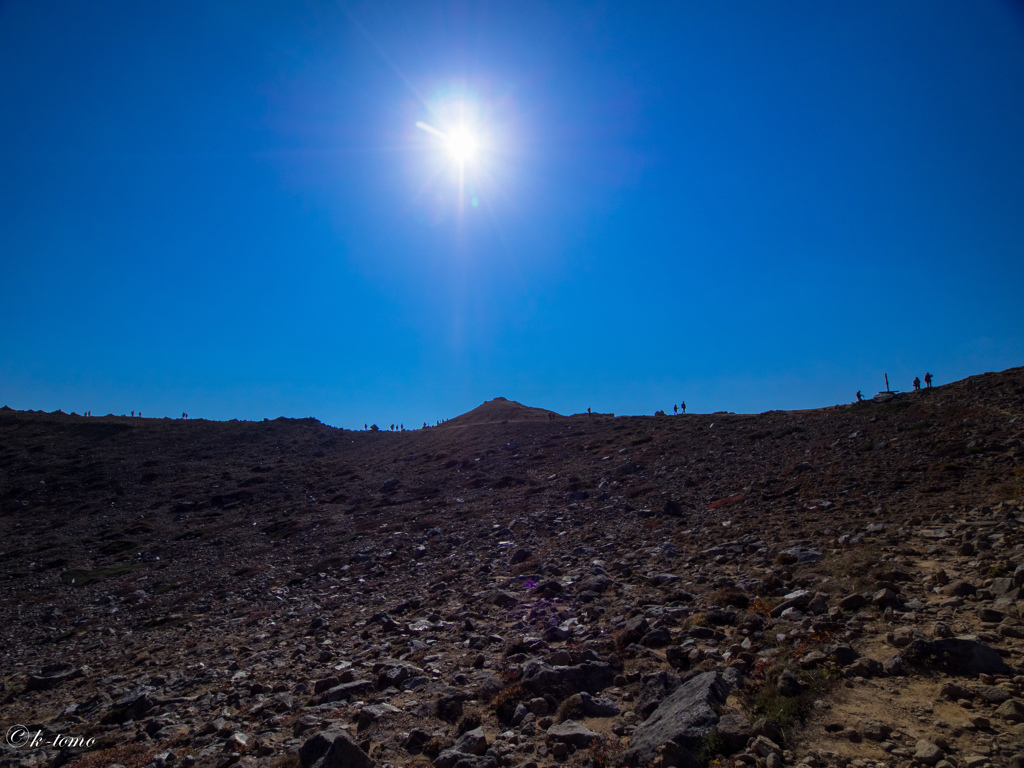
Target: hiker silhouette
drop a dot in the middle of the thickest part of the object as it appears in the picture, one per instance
(928, 380)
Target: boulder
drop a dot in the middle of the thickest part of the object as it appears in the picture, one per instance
(131, 706)
(1011, 710)
(957, 655)
(958, 588)
(735, 731)
(597, 584)
(798, 599)
(598, 707)
(572, 733)
(346, 691)
(657, 638)
(333, 749)
(680, 723)
(842, 654)
(654, 688)
(51, 676)
(927, 752)
(501, 598)
(592, 676)
(472, 742)
(853, 602)
(635, 629)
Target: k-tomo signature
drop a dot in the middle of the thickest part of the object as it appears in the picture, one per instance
(61, 740)
(20, 736)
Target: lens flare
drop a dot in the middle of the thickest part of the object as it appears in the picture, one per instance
(462, 145)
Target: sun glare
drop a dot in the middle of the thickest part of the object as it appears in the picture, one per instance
(463, 153)
(462, 145)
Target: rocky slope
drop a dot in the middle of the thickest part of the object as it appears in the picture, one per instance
(839, 586)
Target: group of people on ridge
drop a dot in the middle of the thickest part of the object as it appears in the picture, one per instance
(917, 386)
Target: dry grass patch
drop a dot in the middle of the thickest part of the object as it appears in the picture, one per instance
(133, 755)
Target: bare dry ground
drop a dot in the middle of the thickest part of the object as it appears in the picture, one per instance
(512, 589)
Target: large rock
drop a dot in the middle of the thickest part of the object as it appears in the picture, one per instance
(680, 723)
(654, 689)
(927, 752)
(598, 707)
(131, 706)
(957, 655)
(957, 588)
(501, 598)
(468, 752)
(333, 749)
(392, 673)
(346, 691)
(1011, 710)
(799, 599)
(541, 678)
(735, 731)
(596, 583)
(572, 733)
(472, 742)
(52, 676)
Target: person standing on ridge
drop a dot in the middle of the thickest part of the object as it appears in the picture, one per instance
(683, 406)
(917, 384)
(928, 380)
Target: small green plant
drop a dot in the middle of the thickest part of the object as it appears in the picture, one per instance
(436, 746)
(729, 596)
(287, 761)
(699, 619)
(712, 746)
(763, 605)
(600, 754)
(768, 702)
(468, 722)
(507, 700)
(570, 709)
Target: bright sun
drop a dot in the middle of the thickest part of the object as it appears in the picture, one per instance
(462, 145)
(463, 148)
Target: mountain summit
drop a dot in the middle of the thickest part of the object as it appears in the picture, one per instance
(500, 411)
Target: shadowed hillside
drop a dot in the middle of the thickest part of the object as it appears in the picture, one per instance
(514, 590)
(500, 411)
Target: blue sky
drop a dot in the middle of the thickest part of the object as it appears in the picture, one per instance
(227, 208)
